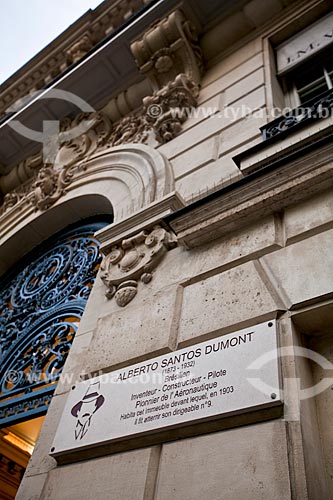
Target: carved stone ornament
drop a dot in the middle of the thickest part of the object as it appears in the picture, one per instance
(169, 107)
(170, 56)
(162, 115)
(80, 138)
(132, 260)
(168, 49)
(49, 186)
(159, 120)
(10, 199)
(79, 49)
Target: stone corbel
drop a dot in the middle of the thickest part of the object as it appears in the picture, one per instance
(170, 57)
(168, 49)
(134, 247)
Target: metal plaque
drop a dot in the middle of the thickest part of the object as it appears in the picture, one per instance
(228, 375)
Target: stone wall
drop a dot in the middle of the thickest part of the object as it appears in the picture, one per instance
(274, 268)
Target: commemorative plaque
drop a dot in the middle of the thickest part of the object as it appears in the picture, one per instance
(228, 375)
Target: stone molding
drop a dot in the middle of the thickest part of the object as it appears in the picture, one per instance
(143, 219)
(294, 143)
(258, 195)
(133, 260)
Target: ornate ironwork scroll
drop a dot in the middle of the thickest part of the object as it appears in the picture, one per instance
(40, 308)
(314, 109)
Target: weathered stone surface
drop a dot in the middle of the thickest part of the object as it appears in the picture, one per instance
(198, 183)
(31, 487)
(248, 463)
(212, 86)
(41, 461)
(74, 363)
(241, 88)
(309, 217)
(236, 297)
(270, 193)
(324, 404)
(233, 61)
(121, 476)
(306, 466)
(195, 158)
(93, 312)
(134, 333)
(241, 135)
(246, 244)
(304, 271)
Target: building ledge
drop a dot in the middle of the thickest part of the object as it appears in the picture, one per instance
(283, 179)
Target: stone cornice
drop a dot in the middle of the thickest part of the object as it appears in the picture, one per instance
(261, 193)
(67, 49)
(277, 150)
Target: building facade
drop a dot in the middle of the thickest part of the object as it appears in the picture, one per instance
(191, 142)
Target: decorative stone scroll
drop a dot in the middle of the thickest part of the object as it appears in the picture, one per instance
(10, 199)
(132, 260)
(168, 49)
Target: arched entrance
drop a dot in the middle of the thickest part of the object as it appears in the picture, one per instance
(41, 302)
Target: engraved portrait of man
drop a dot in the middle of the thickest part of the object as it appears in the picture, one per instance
(86, 408)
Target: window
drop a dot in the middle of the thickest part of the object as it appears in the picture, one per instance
(301, 79)
(310, 80)
(304, 62)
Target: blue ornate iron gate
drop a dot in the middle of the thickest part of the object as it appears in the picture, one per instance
(40, 308)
